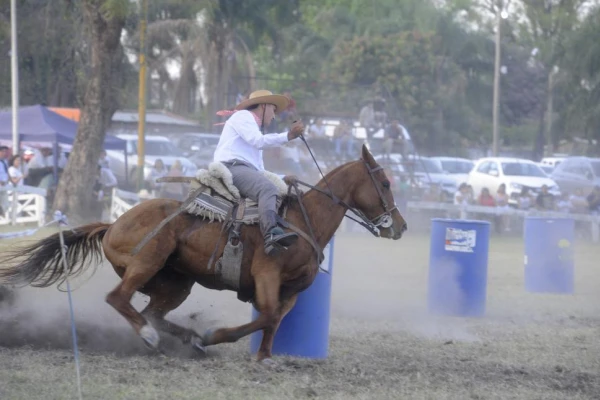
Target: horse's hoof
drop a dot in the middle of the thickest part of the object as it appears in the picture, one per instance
(207, 336)
(197, 344)
(269, 362)
(150, 336)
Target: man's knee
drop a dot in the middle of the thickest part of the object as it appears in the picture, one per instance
(267, 190)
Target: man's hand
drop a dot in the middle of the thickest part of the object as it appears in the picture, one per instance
(290, 180)
(296, 130)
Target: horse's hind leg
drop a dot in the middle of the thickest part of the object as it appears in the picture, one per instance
(136, 275)
(167, 291)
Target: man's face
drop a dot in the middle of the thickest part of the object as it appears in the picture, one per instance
(269, 110)
(3, 153)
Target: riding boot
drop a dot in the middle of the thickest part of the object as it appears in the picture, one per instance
(275, 237)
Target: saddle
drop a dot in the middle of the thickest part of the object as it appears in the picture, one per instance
(218, 196)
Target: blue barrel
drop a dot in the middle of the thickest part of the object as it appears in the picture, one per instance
(304, 331)
(458, 260)
(549, 264)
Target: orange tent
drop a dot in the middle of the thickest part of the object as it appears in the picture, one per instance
(71, 113)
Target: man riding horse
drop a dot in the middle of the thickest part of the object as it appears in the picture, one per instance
(240, 149)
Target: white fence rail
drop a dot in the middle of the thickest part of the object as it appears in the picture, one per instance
(123, 201)
(22, 204)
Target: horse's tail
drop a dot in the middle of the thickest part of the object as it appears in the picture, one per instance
(40, 264)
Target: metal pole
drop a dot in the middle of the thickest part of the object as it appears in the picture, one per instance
(496, 87)
(142, 97)
(14, 74)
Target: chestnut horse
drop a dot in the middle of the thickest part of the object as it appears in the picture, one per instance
(176, 258)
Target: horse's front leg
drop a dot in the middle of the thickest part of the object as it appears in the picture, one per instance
(267, 285)
(266, 345)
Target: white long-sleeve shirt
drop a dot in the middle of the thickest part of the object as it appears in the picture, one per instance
(241, 139)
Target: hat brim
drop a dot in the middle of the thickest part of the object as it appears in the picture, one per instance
(280, 102)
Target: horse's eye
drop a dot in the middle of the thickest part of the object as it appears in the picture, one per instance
(386, 184)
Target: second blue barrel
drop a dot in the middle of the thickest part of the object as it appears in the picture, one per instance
(549, 264)
(458, 262)
(304, 331)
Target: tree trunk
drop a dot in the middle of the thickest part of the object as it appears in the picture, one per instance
(74, 193)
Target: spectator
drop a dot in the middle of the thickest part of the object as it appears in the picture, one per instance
(14, 171)
(544, 200)
(40, 166)
(593, 200)
(393, 136)
(158, 171)
(524, 200)
(462, 196)
(342, 137)
(486, 199)
(4, 180)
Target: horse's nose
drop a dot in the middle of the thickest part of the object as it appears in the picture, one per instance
(404, 227)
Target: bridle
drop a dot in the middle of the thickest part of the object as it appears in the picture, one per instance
(373, 225)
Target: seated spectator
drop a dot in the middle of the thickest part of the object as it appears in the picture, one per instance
(524, 200)
(593, 200)
(486, 199)
(462, 196)
(545, 200)
(14, 171)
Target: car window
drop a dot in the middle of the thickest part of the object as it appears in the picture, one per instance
(426, 166)
(457, 167)
(522, 169)
(155, 148)
(484, 167)
(493, 167)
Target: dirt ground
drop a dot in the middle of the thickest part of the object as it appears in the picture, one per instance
(383, 343)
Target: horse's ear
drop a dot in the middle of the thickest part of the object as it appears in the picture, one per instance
(367, 156)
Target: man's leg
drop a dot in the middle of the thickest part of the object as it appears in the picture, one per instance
(255, 186)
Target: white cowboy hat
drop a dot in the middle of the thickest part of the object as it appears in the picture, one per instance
(265, 97)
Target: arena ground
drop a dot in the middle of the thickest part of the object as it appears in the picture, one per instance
(383, 344)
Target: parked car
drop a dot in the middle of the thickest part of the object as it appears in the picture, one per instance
(459, 168)
(155, 147)
(515, 173)
(426, 172)
(197, 147)
(577, 173)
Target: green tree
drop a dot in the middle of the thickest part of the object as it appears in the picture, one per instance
(105, 20)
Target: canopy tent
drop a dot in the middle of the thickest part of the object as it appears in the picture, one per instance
(40, 125)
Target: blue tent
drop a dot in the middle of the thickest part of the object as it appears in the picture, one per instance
(41, 125)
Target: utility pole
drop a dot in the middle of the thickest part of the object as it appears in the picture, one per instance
(14, 74)
(142, 97)
(496, 87)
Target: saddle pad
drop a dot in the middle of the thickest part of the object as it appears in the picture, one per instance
(216, 208)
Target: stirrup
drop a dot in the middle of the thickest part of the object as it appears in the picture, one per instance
(276, 243)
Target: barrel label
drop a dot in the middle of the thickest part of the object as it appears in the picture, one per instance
(460, 240)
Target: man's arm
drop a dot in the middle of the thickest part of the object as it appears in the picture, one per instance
(244, 125)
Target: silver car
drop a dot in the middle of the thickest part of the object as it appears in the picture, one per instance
(577, 173)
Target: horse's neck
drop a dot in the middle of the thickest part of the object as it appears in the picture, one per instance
(324, 214)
